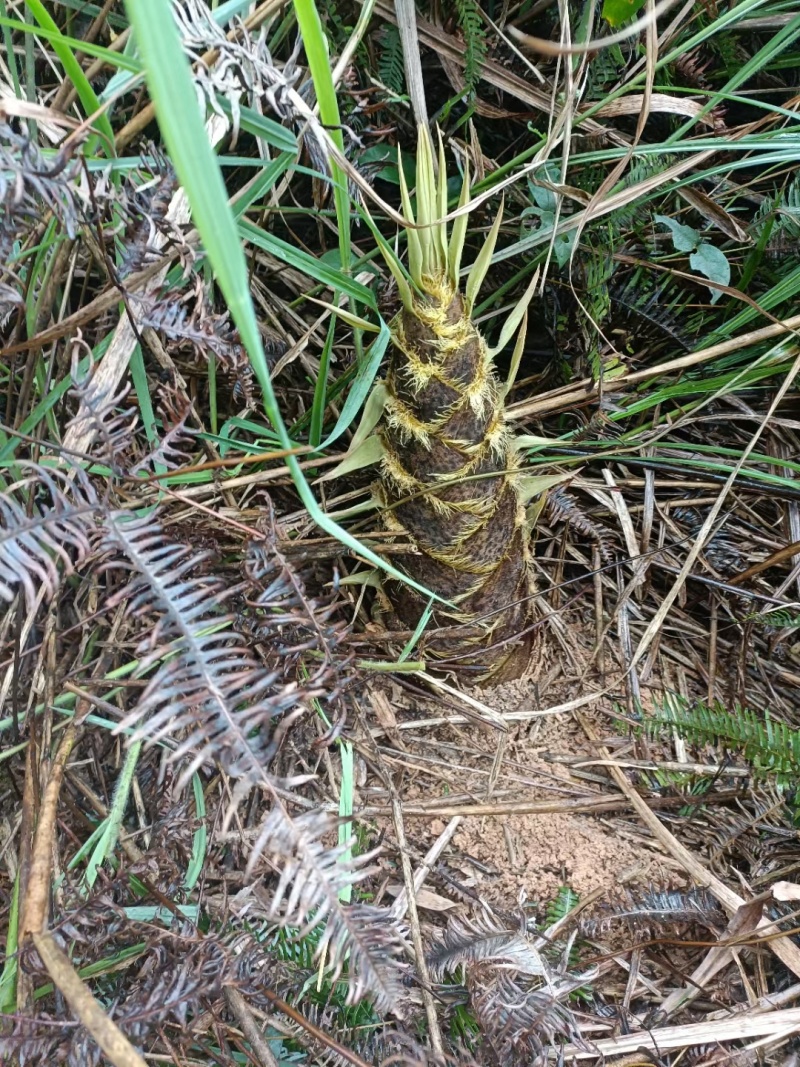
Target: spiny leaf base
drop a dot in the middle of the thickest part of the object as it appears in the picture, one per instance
(450, 480)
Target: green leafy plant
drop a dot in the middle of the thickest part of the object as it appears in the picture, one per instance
(470, 22)
(705, 257)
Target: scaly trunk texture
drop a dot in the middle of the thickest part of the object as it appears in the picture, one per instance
(450, 479)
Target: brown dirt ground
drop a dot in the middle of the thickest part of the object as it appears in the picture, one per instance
(517, 858)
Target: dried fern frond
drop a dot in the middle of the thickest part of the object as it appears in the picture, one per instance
(208, 693)
(654, 909)
(101, 413)
(298, 623)
(206, 683)
(522, 1019)
(30, 182)
(517, 997)
(179, 977)
(244, 67)
(204, 330)
(312, 879)
(471, 941)
(148, 200)
(174, 409)
(563, 507)
(723, 555)
(31, 187)
(401, 1049)
(48, 523)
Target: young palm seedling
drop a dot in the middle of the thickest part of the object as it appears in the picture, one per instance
(450, 476)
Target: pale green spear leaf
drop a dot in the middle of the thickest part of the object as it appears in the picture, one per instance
(481, 264)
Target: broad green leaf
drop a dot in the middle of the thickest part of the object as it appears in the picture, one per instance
(516, 316)
(367, 454)
(713, 264)
(684, 238)
(533, 484)
(458, 231)
(616, 12)
(480, 267)
(361, 386)
(371, 415)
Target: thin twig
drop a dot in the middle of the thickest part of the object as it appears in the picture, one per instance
(413, 916)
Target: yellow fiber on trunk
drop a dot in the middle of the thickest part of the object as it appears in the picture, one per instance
(450, 479)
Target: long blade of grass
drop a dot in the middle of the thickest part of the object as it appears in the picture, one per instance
(74, 72)
(175, 102)
(319, 63)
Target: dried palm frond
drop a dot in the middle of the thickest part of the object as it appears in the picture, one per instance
(48, 524)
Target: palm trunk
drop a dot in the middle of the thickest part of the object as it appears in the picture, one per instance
(450, 479)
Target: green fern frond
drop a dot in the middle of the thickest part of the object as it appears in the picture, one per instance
(390, 62)
(777, 619)
(471, 25)
(565, 901)
(771, 747)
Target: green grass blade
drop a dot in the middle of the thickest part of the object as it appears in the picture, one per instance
(74, 72)
(96, 51)
(8, 978)
(197, 168)
(108, 842)
(301, 260)
(319, 63)
(200, 840)
(346, 809)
